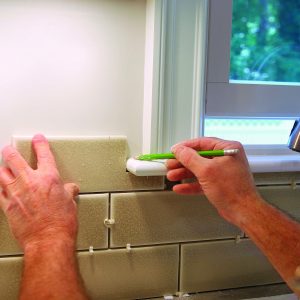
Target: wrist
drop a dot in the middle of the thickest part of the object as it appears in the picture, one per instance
(244, 211)
(46, 243)
(252, 208)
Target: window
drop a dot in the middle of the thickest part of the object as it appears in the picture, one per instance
(265, 41)
(230, 98)
(258, 73)
(250, 131)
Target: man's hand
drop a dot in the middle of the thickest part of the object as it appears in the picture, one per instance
(229, 186)
(37, 204)
(226, 180)
(41, 212)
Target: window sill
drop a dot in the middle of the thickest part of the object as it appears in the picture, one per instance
(274, 163)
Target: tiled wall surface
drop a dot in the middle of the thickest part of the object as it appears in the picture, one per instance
(159, 243)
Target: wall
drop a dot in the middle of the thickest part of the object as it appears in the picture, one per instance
(76, 69)
(72, 68)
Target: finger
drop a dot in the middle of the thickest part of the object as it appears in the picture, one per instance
(188, 188)
(3, 201)
(179, 174)
(6, 176)
(297, 272)
(209, 143)
(45, 158)
(173, 164)
(14, 160)
(205, 143)
(72, 189)
(189, 158)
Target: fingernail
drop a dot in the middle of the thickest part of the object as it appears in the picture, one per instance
(174, 147)
(39, 138)
(177, 148)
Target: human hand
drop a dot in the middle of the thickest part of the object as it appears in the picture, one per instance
(226, 181)
(38, 206)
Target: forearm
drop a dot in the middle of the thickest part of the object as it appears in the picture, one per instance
(275, 234)
(50, 272)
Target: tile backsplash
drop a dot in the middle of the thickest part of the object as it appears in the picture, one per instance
(157, 243)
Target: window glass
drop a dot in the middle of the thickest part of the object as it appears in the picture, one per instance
(250, 131)
(265, 43)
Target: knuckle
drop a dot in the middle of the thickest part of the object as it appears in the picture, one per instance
(10, 156)
(51, 177)
(32, 186)
(237, 145)
(15, 197)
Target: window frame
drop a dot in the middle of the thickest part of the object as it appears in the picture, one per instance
(175, 69)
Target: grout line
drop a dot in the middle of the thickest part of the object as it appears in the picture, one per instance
(179, 269)
(136, 191)
(137, 246)
(15, 255)
(258, 185)
(122, 192)
(172, 243)
(167, 244)
(109, 216)
(95, 249)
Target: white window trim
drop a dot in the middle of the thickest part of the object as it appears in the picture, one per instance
(170, 76)
(234, 99)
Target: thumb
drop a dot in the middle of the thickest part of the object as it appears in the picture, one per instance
(72, 188)
(189, 158)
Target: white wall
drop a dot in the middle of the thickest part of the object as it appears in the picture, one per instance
(72, 68)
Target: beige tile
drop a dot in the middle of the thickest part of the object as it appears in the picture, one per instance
(222, 265)
(10, 277)
(140, 273)
(111, 274)
(97, 164)
(8, 244)
(92, 211)
(284, 198)
(163, 217)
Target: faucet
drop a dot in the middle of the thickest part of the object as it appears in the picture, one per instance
(294, 140)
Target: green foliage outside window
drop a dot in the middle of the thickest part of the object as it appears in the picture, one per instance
(265, 44)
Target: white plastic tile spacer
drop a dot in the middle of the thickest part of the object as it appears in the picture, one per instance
(186, 295)
(91, 249)
(109, 222)
(128, 247)
(294, 185)
(237, 239)
(169, 297)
